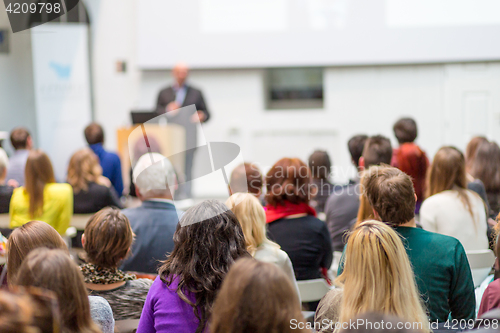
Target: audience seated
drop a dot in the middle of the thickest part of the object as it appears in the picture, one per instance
(450, 208)
(377, 276)
(246, 178)
(54, 270)
(30, 236)
(208, 240)
(110, 162)
(41, 198)
(5, 189)
(439, 262)
(485, 167)
(106, 241)
(256, 297)
(292, 223)
(91, 190)
(409, 157)
(320, 166)
(343, 205)
(22, 143)
(475, 184)
(155, 221)
(252, 218)
(491, 296)
(34, 235)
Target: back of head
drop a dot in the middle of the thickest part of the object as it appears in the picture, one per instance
(405, 130)
(486, 166)
(83, 168)
(38, 172)
(94, 134)
(378, 276)
(4, 162)
(447, 171)
(16, 314)
(320, 164)
(54, 270)
(252, 218)
(19, 138)
(246, 177)
(391, 194)
(30, 236)
(356, 145)
(289, 180)
(108, 237)
(207, 241)
(377, 150)
(470, 151)
(154, 176)
(39, 307)
(256, 297)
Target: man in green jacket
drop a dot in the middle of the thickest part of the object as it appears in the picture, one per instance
(441, 268)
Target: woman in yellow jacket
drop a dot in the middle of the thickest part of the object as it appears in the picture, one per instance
(41, 198)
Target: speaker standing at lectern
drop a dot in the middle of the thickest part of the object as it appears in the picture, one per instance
(177, 96)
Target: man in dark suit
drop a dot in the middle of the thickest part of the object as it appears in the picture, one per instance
(173, 98)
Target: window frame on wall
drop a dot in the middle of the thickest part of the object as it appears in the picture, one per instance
(300, 88)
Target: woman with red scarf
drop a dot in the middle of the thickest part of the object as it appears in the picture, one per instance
(292, 223)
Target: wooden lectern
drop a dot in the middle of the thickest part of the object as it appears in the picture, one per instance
(167, 140)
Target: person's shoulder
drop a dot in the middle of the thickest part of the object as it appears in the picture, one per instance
(269, 252)
(113, 156)
(314, 222)
(345, 192)
(166, 88)
(144, 284)
(98, 303)
(18, 191)
(439, 199)
(329, 307)
(193, 88)
(59, 188)
(443, 241)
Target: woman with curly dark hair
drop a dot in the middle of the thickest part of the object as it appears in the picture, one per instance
(208, 240)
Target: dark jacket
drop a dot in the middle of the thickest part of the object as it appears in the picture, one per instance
(154, 224)
(94, 199)
(306, 241)
(341, 209)
(5, 195)
(193, 96)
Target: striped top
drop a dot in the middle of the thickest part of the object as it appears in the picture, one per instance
(128, 300)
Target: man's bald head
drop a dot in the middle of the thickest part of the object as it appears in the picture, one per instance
(180, 73)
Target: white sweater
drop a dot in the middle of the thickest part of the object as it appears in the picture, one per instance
(446, 214)
(271, 254)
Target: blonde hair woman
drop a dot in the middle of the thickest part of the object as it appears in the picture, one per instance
(92, 191)
(252, 218)
(377, 276)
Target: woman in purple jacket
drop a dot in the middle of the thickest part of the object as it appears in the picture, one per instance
(207, 241)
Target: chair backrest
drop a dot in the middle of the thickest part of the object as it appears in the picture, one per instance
(4, 221)
(126, 325)
(79, 221)
(480, 263)
(312, 290)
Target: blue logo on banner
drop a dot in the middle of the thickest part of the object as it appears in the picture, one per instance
(62, 71)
